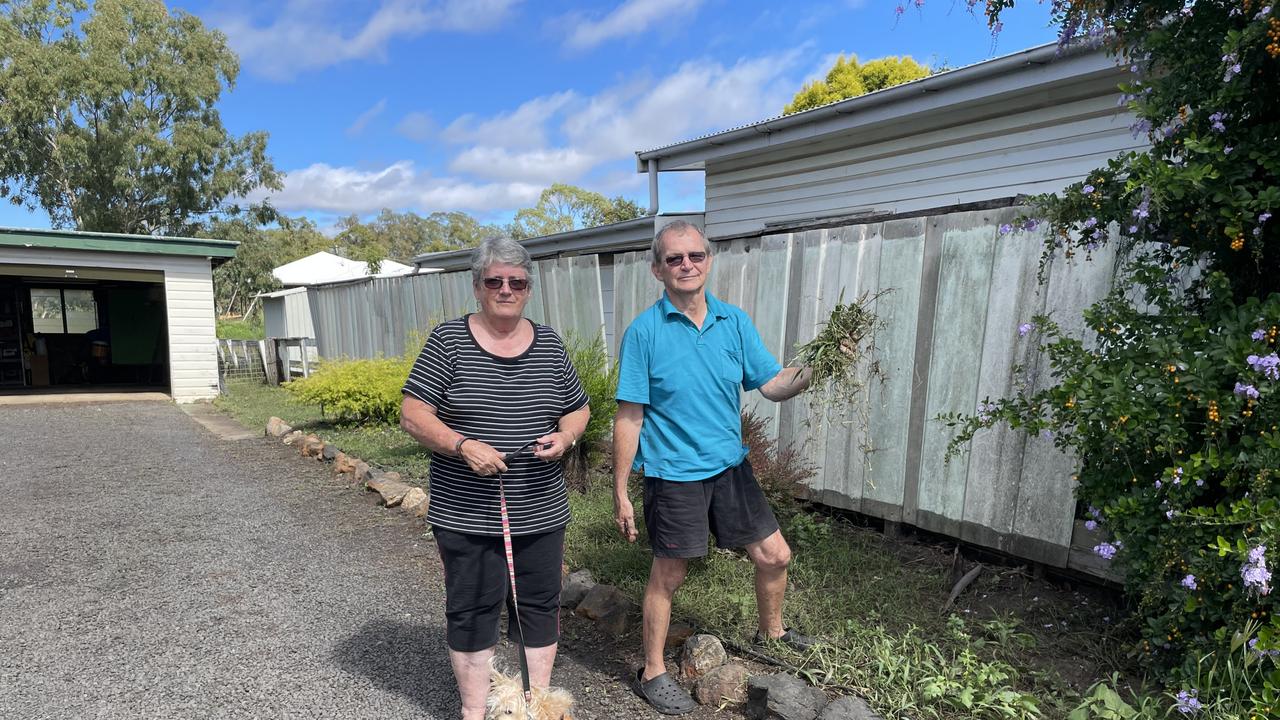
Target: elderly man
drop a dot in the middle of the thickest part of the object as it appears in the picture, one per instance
(682, 363)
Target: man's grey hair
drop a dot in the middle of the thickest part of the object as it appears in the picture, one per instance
(675, 228)
(500, 251)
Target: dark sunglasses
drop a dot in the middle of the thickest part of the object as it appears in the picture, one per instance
(516, 284)
(678, 260)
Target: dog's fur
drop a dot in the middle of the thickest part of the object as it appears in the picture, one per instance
(506, 700)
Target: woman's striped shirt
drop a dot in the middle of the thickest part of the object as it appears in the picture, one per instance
(505, 402)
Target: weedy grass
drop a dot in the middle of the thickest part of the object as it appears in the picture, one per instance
(842, 353)
(253, 403)
(878, 608)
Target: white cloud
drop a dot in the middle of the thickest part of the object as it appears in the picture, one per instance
(629, 18)
(523, 127)
(322, 188)
(501, 165)
(300, 39)
(417, 126)
(366, 117)
(535, 166)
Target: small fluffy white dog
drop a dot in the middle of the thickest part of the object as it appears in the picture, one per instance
(506, 700)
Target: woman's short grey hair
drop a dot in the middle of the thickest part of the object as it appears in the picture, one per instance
(675, 228)
(499, 251)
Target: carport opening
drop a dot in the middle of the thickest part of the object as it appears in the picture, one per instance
(80, 334)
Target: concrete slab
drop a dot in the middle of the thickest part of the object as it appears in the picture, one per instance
(217, 422)
(64, 398)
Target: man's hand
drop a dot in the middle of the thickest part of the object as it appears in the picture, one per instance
(482, 458)
(624, 516)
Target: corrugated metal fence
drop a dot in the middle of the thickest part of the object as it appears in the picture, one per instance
(957, 292)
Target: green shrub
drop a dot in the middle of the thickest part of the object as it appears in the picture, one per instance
(599, 379)
(356, 390)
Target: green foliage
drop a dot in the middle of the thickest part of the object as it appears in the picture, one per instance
(403, 236)
(108, 117)
(1172, 402)
(847, 78)
(562, 208)
(240, 328)
(599, 379)
(356, 390)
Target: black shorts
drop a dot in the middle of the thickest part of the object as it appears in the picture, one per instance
(731, 506)
(476, 587)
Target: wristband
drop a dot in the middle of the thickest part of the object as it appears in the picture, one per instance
(457, 447)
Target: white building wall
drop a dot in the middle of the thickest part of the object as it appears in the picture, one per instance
(999, 147)
(188, 282)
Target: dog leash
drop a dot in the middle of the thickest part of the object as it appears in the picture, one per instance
(511, 572)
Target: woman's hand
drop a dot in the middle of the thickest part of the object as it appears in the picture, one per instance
(482, 458)
(552, 446)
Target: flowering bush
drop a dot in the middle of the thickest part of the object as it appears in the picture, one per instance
(1172, 402)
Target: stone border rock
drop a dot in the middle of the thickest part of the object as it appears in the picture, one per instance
(716, 680)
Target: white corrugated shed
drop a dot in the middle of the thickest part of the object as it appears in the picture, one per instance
(186, 277)
(1024, 124)
(324, 267)
(287, 314)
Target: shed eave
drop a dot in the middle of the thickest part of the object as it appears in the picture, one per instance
(118, 243)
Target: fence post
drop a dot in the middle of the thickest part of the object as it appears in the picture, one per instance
(270, 364)
(302, 350)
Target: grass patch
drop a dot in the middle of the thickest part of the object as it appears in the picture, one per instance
(241, 329)
(387, 446)
(879, 604)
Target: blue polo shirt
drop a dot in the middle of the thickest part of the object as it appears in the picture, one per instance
(688, 381)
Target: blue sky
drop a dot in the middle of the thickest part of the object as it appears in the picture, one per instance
(476, 105)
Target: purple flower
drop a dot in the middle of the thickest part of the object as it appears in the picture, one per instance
(1133, 229)
(1258, 334)
(1168, 514)
(1263, 13)
(1086, 189)
(1233, 67)
(1144, 206)
(1106, 550)
(1265, 216)
(1269, 365)
(1187, 702)
(1090, 222)
(1254, 573)
(1177, 476)
(1226, 150)
(1025, 328)
(1159, 484)
(1006, 228)
(1030, 224)
(1189, 582)
(1140, 128)
(1095, 513)
(1090, 525)
(984, 411)
(1199, 483)
(1047, 434)
(1247, 390)
(1215, 122)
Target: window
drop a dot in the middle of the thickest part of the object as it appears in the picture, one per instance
(59, 311)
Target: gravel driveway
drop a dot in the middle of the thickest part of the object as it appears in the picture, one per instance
(150, 569)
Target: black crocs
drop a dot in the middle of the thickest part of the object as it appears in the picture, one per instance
(664, 694)
(790, 638)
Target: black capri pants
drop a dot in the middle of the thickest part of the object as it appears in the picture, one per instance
(476, 587)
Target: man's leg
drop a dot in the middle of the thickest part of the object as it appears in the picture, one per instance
(472, 672)
(666, 575)
(771, 556)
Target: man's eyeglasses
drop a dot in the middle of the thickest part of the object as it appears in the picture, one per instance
(516, 284)
(678, 260)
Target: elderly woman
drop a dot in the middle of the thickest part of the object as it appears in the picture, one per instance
(485, 385)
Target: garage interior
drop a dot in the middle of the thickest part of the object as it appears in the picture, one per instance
(82, 329)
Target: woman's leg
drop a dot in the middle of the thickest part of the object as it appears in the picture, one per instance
(538, 563)
(472, 672)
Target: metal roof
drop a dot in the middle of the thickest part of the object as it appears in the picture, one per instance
(844, 115)
(117, 242)
(632, 234)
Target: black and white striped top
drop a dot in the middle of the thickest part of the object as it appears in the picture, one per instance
(505, 402)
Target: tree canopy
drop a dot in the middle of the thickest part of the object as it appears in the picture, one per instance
(847, 78)
(562, 208)
(108, 118)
